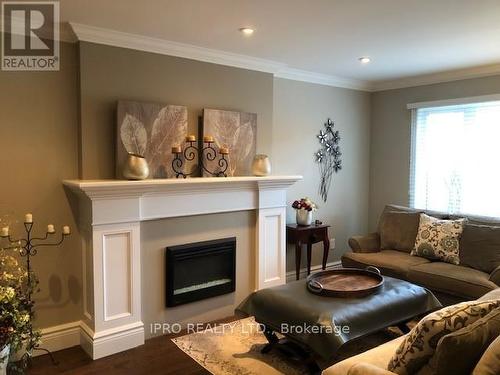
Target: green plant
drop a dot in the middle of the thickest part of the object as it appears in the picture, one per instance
(16, 310)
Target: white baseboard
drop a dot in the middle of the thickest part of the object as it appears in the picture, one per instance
(67, 335)
(111, 342)
(290, 276)
(71, 334)
(86, 341)
(59, 337)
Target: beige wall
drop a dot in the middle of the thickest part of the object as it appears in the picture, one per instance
(157, 235)
(300, 110)
(47, 140)
(42, 144)
(109, 74)
(38, 149)
(390, 139)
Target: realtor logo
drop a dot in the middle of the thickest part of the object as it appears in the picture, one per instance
(30, 35)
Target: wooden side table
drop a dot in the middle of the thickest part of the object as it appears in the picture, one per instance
(309, 235)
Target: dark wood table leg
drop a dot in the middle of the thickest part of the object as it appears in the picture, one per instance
(309, 251)
(298, 251)
(326, 248)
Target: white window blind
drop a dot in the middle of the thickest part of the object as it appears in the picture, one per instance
(455, 161)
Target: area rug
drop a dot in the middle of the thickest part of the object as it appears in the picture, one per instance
(234, 349)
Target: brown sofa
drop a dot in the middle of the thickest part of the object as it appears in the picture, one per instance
(477, 274)
(375, 361)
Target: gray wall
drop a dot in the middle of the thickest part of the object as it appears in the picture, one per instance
(41, 146)
(300, 110)
(390, 135)
(109, 74)
(38, 149)
(60, 125)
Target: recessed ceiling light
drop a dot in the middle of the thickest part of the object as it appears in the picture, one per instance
(247, 31)
(364, 60)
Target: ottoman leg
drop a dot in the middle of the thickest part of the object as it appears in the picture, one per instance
(271, 338)
(404, 327)
(313, 367)
(289, 349)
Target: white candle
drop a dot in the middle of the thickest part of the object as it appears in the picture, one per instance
(50, 228)
(66, 230)
(28, 218)
(5, 232)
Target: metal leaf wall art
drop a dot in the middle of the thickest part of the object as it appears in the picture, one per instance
(150, 130)
(133, 135)
(238, 132)
(328, 157)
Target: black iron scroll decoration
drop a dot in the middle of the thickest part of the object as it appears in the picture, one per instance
(208, 154)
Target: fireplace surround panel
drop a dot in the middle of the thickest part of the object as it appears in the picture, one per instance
(109, 215)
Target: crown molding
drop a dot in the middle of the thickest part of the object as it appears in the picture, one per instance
(121, 39)
(323, 79)
(114, 38)
(429, 79)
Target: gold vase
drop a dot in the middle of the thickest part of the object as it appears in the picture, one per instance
(135, 168)
(261, 166)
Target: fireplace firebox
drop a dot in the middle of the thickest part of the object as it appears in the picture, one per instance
(200, 270)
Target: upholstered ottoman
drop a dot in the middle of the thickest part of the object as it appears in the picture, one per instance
(319, 325)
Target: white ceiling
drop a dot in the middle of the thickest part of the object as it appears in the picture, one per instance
(404, 38)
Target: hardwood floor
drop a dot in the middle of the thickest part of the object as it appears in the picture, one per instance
(158, 355)
(161, 356)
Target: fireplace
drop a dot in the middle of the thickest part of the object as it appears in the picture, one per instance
(200, 270)
(113, 314)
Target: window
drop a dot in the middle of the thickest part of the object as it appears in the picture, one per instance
(455, 161)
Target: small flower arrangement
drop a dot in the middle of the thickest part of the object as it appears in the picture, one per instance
(16, 329)
(305, 204)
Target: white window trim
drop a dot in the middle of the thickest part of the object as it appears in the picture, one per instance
(413, 146)
(413, 128)
(456, 101)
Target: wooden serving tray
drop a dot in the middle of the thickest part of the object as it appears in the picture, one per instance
(346, 282)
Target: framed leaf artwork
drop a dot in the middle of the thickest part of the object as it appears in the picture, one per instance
(238, 132)
(149, 130)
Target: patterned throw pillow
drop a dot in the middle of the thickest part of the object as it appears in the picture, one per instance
(419, 345)
(438, 239)
(458, 352)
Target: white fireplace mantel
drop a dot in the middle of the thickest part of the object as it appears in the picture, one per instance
(110, 212)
